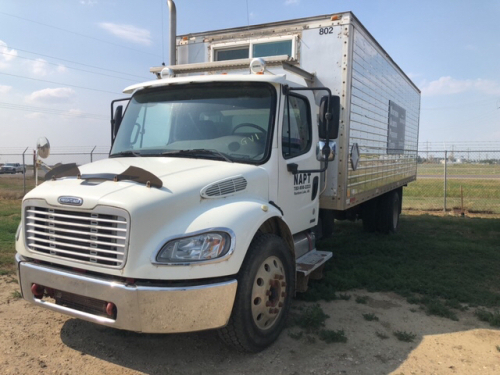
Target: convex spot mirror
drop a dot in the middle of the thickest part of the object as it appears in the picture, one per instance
(329, 118)
(43, 147)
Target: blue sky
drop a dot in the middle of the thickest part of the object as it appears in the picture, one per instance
(62, 62)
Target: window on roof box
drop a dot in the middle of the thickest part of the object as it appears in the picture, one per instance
(232, 54)
(282, 47)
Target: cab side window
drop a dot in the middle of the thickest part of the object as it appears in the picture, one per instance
(297, 131)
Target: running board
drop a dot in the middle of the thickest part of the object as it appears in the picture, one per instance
(311, 261)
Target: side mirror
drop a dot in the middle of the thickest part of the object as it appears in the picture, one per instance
(329, 118)
(43, 147)
(116, 121)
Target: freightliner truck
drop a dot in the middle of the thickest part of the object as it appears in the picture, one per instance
(224, 170)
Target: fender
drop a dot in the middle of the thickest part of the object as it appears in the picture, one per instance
(243, 218)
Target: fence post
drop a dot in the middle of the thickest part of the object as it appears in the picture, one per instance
(91, 152)
(24, 173)
(445, 165)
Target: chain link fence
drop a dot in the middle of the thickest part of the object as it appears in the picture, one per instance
(459, 181)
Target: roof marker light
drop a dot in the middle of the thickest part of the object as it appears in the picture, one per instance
(257, 66)
(167, 73)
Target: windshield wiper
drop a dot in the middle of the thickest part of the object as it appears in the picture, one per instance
(198, 152)
(125, 153)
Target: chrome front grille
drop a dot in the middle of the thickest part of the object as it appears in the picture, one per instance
(98, 237)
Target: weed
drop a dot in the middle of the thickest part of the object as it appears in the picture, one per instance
(296, 335)
(381, 335)
(370, 317)
(311, 339)
(454, 304)
(498, 348)
(329, 336)
(492, 318)
(16, 294)
(413, 310)
(311, 319)
(405, 336)
(435, 307)
(344, 296)
(362, 299)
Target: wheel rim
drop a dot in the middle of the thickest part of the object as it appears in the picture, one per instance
(268, 293)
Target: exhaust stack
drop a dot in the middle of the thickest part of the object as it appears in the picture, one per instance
(173, 31)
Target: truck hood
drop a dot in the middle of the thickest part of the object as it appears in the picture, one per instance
(181, 178)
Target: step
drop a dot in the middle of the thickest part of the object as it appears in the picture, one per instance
(312, 260)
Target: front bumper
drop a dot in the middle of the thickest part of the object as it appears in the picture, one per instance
(138, 308)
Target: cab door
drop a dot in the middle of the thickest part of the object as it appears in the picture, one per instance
(298, 194)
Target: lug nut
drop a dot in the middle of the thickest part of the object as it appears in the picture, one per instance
(280, 304)
(283, 283)
(283, 294)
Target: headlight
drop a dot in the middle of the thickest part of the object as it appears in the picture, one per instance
(200, 247)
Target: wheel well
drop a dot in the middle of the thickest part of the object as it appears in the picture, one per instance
(278, 227)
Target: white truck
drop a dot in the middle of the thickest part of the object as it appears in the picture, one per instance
(222, 174)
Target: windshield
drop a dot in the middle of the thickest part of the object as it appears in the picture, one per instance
(223, 121)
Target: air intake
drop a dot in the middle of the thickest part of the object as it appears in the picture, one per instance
(224, 188)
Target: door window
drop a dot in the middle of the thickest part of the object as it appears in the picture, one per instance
(297, 130)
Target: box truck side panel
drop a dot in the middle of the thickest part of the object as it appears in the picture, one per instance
(383, 123)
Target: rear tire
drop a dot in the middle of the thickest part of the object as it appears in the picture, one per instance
(266, 283)
(389, 212)
(370, 215)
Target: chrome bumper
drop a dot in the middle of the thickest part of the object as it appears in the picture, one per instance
(140, 309)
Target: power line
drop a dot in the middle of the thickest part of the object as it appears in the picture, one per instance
(78, 63)
(60, 83)
(51, 111)
(82, 35)
(68, 67)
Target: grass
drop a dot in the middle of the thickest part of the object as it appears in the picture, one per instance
(329, 336)
(311, 320)
(405, 336)
(492, 318)
(370, 317)
(478, 195)
(362, 299)
(10, 216)
(381, 335)
(458, 169)
(11, 186)
(441, 263)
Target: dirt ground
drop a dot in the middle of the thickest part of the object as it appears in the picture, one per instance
(33, 340)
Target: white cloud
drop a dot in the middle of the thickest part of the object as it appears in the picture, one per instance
(74, 112)
(36, 116)
(292, 2)
(6, 55)
(448, 85)
(128, 32)
(40, 67)
(88, 2)
(59, 95)
(4, 89)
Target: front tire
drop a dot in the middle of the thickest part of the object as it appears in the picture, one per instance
(266, 283)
